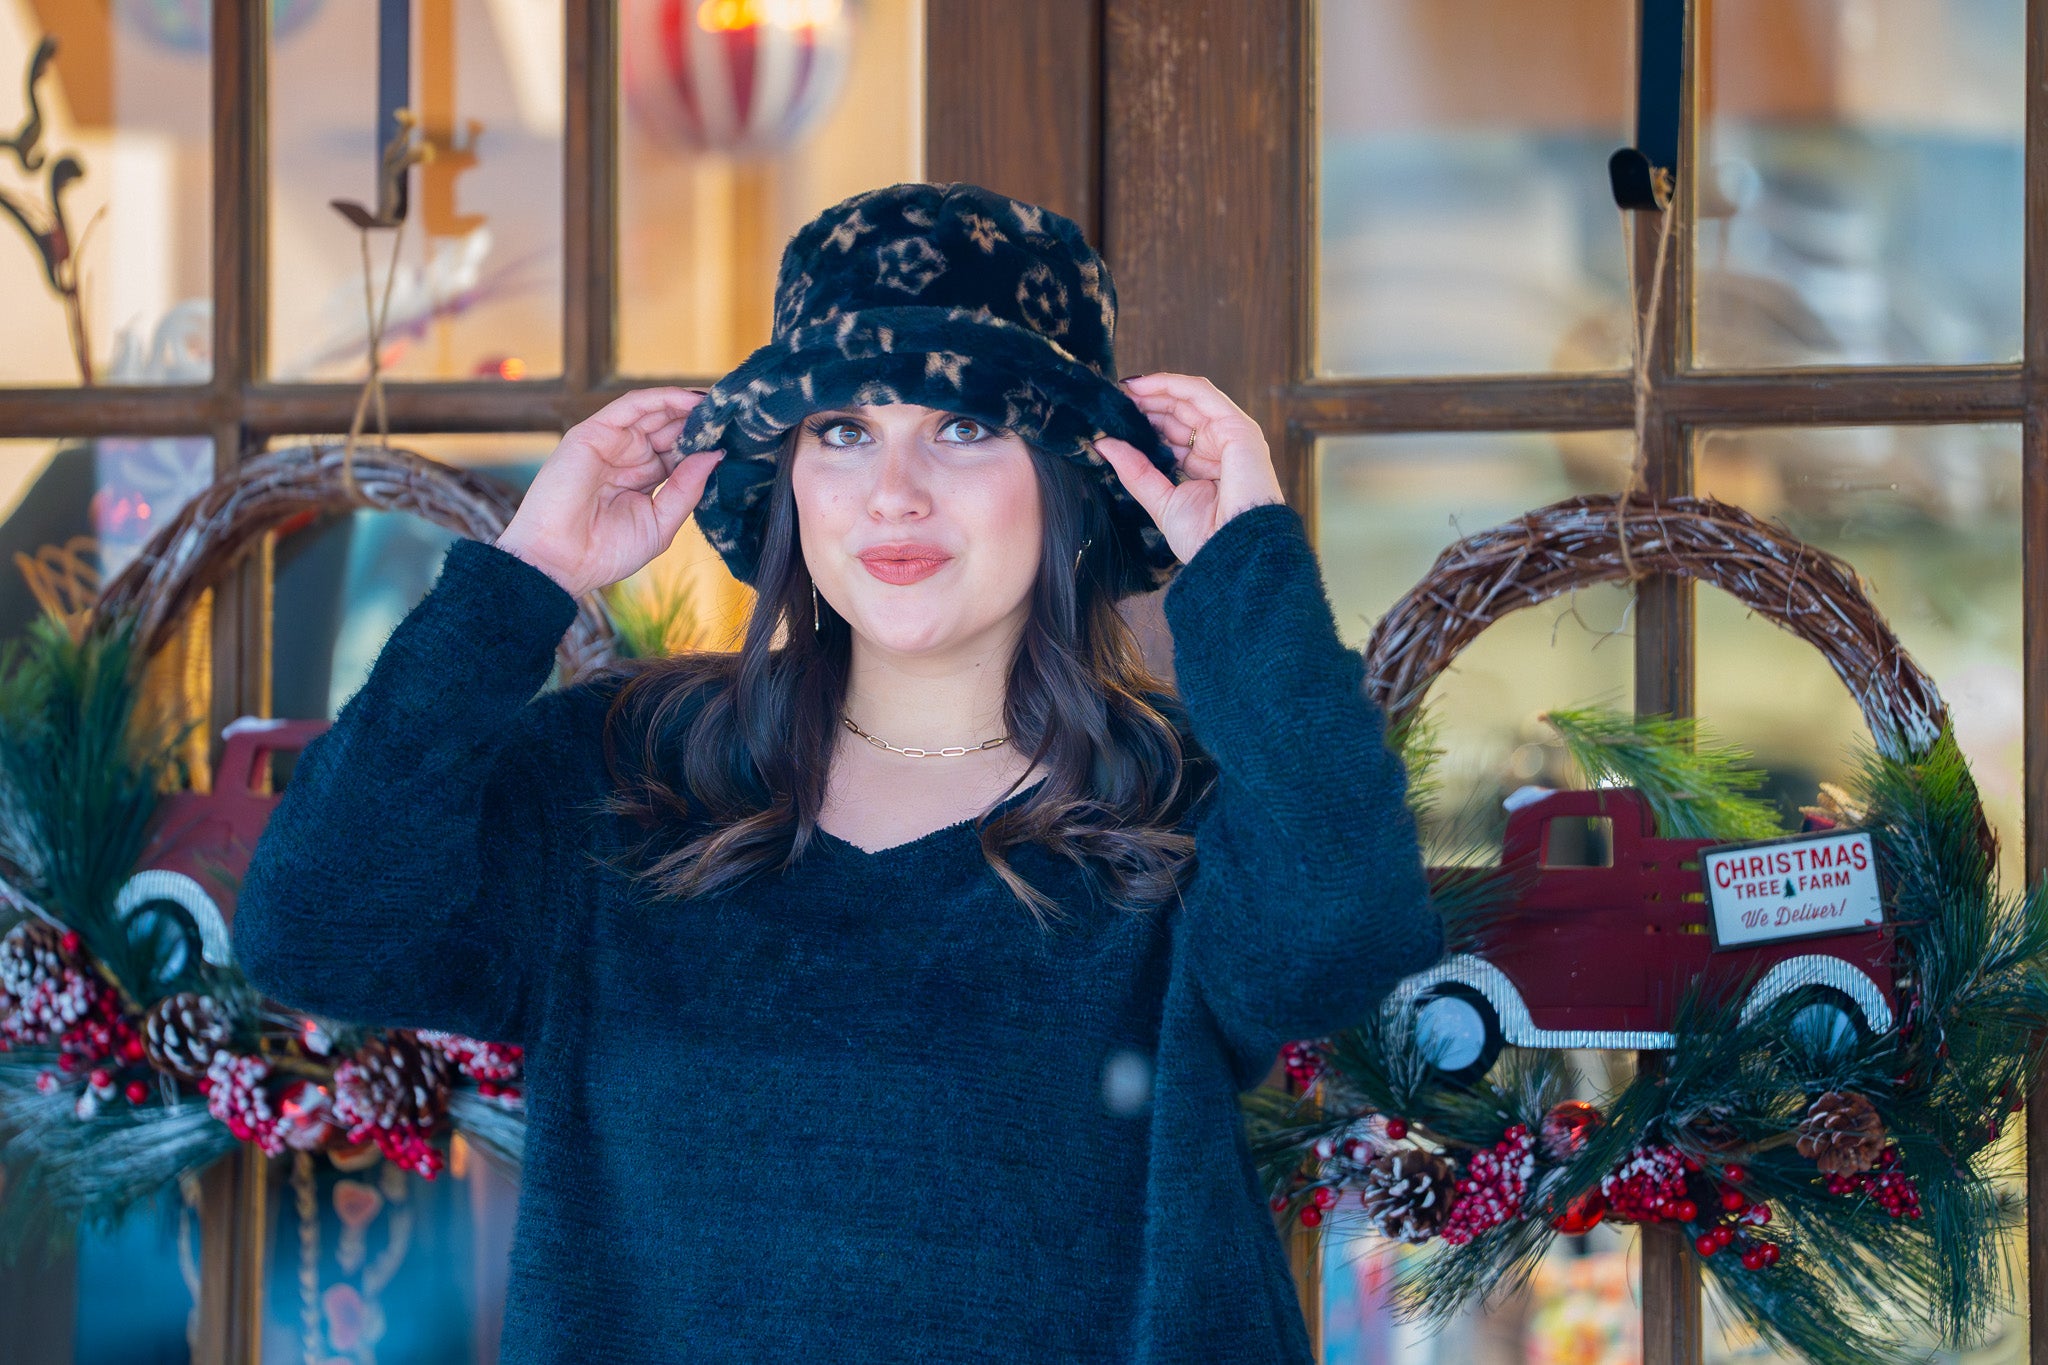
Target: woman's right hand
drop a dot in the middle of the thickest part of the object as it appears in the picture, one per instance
(594, 513)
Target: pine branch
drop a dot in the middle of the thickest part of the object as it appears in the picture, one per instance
(1698, 787)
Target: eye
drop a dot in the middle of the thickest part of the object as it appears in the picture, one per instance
(840, 434)
(964, 430)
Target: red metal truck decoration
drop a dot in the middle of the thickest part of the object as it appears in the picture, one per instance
(1600, 957)
(182, 894)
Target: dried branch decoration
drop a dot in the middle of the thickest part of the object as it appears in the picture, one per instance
(1608, 539)
(199, 545)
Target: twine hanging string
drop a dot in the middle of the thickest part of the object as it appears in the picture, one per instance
(1643, 335)
(406, 149)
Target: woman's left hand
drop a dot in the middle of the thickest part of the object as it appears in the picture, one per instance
(1221, 452)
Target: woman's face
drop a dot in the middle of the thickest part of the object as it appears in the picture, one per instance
(920, 527)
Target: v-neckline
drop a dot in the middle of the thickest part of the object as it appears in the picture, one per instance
(848, 846)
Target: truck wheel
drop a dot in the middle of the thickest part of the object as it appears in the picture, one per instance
(1458, 1031)
(1824, 1020)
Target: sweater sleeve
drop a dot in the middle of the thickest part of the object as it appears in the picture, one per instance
(405, 876)
(1309, 899)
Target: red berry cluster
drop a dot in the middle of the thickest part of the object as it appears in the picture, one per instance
(404, 1142)
(1490, 1188)
(1888, 1185)
(1304, 1061)
(236, 1094)
(81, 1015)
(1649, 1186)
(495, 1067)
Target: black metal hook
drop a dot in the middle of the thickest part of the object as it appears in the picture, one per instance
(1634, 172)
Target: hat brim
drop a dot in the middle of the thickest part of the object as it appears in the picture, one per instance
(956, 359)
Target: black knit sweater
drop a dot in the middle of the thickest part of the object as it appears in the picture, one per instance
(866, 1110)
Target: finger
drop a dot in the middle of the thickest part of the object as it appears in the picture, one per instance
(686, 481)
(656, 405)
(1193, 415)
(1203, 395)
(1150, 487)
(1171, 428)
(662, 440)
(673, 504)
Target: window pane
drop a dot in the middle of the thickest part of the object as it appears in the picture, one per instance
(1466, 220)
(113, 278)
(1388, 505)
(739, 122)
(79, 510)
(377, 1263)
(1930, 517)
(1840, 139)
(478, 287)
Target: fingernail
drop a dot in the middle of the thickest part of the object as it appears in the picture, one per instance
(705, 392)
(1129, 377)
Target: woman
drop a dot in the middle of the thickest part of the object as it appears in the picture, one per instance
(888, 986)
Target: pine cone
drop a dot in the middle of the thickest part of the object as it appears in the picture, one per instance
(182, 1033)
(394, 1082)
(1407, 1193)
(1841, 1134)
(31, 955)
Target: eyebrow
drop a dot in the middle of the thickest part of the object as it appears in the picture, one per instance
(849, 415)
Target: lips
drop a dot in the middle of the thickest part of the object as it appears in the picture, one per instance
(902, 564)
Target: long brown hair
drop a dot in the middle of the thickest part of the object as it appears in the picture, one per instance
(750, 735)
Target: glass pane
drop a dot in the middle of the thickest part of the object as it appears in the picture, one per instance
(109, 278)
(739, 121)
(1466, 220)
(74, 513)
(123, 1296)
(374, 1263)
(1930, 516)
(477, 291)
(1388, 505)
(1839, 138)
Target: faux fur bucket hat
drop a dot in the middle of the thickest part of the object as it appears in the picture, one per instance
(949, 296)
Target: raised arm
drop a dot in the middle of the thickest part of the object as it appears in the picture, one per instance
(1309, 900)
(422, 855)
(409, 875)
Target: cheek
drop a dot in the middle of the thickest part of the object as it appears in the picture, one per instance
(1009, 523)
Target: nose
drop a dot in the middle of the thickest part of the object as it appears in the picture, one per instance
(899, 492)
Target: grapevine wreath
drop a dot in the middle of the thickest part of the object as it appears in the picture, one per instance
(133, 1051)
(1833, 1170)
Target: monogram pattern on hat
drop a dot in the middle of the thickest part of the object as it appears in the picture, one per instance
(952, 296)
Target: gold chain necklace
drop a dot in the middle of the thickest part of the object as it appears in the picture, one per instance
(952, 752)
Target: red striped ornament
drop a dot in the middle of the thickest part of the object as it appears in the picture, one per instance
(736, 77)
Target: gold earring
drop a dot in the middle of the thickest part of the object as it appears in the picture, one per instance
(816, 629)
(1078, 553)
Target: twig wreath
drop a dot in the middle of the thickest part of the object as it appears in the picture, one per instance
(133, 1051)
(1822, 1132)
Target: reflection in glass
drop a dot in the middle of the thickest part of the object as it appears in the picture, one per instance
(477, 292)
(739, 122)
(1930, 516)
(1582, 1306)
(1841, 141)
(105, 214)
(1388, 505)
(1466, 220)
(74, 513)
(367, 1262)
